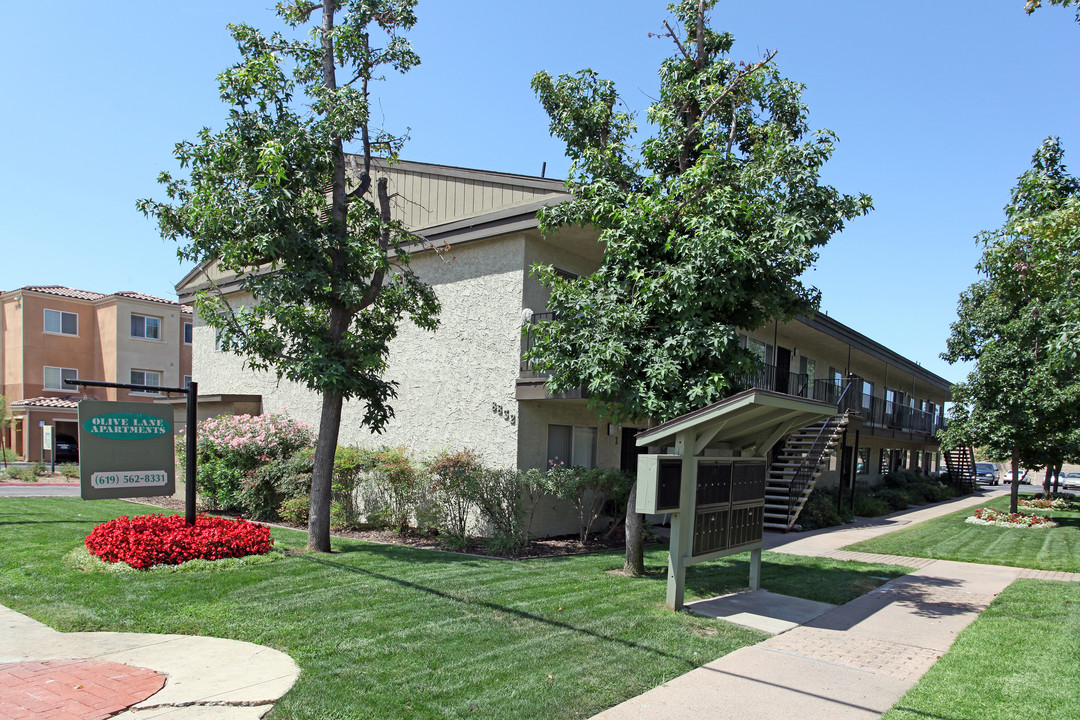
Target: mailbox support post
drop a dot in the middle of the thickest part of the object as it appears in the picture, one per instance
(682, 523)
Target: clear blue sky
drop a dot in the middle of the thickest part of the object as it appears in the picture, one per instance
(938, 105)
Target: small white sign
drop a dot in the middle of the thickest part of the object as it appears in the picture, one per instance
(129, 479)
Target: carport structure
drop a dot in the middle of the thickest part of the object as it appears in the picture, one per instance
(710, 476)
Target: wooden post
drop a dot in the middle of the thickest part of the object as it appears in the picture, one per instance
(682, 524)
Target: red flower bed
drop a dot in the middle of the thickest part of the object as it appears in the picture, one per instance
(165, 539)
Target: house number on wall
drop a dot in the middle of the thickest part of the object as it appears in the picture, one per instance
(504, 413)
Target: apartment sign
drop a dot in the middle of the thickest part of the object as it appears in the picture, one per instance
(125, 450)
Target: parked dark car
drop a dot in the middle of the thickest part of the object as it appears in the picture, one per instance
(986, 474)
(67, 448)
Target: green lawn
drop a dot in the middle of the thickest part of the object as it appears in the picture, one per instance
(390, 632)
(1020, 659)
(950, 538)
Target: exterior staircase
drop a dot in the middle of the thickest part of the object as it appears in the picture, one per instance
(960, 462)
(795, 470)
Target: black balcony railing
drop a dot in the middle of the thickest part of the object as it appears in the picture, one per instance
(527, 369)
(777, 379)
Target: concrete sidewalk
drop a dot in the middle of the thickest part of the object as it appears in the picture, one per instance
(851, 662)
(72, 676)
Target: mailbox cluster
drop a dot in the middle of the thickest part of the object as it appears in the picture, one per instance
(728, 499)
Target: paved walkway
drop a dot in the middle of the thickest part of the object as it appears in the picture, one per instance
(851, 662)
(85, 676)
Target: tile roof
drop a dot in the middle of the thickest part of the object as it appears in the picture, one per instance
(71, 401)
(62, 291)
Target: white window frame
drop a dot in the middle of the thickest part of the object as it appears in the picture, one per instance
(189, 332)
(44, 378)
(187, 381)
(131, 375)
(145, 318)
(60, 318)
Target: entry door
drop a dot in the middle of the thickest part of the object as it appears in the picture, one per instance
(783, 369)
(630, 451)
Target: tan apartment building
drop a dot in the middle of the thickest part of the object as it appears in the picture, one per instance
(52, 335)
(467, 386)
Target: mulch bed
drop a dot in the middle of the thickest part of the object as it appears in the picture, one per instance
(537, 548)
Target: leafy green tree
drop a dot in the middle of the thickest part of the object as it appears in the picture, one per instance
(1032, 5)
(268, 198)
(1018, 402)
(707, 227)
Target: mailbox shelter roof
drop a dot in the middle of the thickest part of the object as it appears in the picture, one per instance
(751, 419)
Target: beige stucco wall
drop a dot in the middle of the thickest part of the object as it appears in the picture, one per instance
(450, 383)
(135, 353)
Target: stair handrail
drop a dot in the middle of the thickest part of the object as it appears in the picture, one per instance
(804, 474)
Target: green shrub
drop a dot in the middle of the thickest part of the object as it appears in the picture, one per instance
(820, 510)
(69, 470)
(350, 465)
(867, 505)
(39, 468)
(295, 510)
(22, 474)
(452, 479)
(896, 499)
(398, 492)
(585, 489)
(498, 493)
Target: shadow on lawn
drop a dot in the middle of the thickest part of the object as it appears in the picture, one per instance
(498, 608)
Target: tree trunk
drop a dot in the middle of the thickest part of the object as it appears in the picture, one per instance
(323, 474)
(635, 557)
(1057, 474)
(1046, 479)
(1014, 494)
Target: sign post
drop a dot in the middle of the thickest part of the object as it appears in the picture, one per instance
(126, 449)
(47, 444)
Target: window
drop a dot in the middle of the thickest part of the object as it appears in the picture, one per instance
(867, 394)
(187, 333)
(143, 326)
(862, 466)
(145, 377)
(58, 378)
(808, 368)
(572, 445)
(61, 323)
(761, 350)
(187, 381)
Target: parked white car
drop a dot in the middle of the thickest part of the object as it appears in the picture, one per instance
(1069, 480)
(1007, 478)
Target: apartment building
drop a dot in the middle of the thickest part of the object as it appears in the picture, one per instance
(466, 385)
(52, 335)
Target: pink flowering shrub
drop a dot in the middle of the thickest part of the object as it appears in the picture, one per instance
(231, 447)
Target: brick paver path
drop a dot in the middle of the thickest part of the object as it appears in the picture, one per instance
(72, 689)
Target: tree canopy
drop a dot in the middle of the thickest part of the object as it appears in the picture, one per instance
(268, 199)
(1019, 402)
(707, 226)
